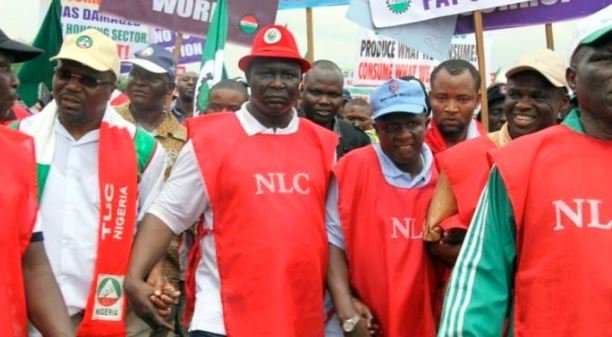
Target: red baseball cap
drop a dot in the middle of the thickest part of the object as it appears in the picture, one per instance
(274, 41)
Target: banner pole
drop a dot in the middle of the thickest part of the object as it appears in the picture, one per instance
(178, 44)
(550, 41)
(484, 107)
(309, 35)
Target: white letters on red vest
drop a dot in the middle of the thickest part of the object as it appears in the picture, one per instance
(279, 183)
(406, 228)
(576, 215)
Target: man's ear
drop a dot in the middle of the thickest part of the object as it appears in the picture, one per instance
(570, 78)
(171, 87)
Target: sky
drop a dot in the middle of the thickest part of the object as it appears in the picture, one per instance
(335, 36)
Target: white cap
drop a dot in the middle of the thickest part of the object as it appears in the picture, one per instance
(591, 28)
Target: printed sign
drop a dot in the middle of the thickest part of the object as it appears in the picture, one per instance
(380, 59)
(387, 13)
(194, 16)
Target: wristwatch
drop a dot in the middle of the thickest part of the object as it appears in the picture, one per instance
(350, 324)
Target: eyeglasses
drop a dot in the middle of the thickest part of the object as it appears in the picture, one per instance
(87, 81)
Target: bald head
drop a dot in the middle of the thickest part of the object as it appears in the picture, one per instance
(326, 67)
(322, 93)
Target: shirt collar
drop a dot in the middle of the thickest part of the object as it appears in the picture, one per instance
(393, 173)
(252, 126)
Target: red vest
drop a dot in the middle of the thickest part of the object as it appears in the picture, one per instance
(559, 186)
(467, 167)
(383, 225)
(436, 141)
(17, 218)
(268, 195)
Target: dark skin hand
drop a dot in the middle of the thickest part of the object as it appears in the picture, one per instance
(448, 248)
(346, 304)
(46, 308)
(150, 304)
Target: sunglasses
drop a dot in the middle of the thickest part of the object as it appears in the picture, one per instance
(87, 81)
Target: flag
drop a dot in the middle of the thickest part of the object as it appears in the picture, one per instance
(40, 70)
(212, 70)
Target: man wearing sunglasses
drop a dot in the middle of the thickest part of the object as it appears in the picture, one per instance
(97, 172)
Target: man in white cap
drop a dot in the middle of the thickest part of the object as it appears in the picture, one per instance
(96, 173)
(536, 95)
(260, 176)
(28, 290)
(538, 246)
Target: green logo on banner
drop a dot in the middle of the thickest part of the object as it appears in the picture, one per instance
(249, 24)
(398, 6)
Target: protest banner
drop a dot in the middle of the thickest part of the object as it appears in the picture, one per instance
(293, 4)
(432, 37)
(78, 15)
(194, 16)
(530, 13)
(380, 58)
(400, 12)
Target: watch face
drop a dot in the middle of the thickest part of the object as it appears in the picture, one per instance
(348, 325)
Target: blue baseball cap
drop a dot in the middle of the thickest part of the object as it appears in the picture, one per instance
(155, 59)
(398, 96)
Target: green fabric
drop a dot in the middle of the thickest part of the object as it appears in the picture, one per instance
(49, 39)
(212, 69)
(145, 145)
(572, 121)
(478, 297)
(42, 172)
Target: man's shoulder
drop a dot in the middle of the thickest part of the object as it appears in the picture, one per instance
(171, 127)
(350, 131)
(124, 111)
(466, 149)
(531, 144)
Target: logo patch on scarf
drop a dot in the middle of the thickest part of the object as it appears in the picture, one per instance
(109, 298)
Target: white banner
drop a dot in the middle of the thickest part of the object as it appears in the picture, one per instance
(431, 37)
(388, 13)
(380, 58)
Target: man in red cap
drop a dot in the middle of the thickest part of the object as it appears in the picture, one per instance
(260, 177)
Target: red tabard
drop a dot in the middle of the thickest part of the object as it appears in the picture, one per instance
(559, 186)
(383, 225)
(467, 167)
(435, 140)
(268, 195)
(17, 218)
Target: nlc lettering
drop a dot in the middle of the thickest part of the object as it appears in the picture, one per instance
(281, 183)
(576, 214)
(406, 228)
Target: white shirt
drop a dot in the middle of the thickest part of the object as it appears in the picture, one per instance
(69, 210)
(182, 200)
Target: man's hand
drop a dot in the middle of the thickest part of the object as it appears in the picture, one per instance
(366, 316)
(164, 294)
(139, 294)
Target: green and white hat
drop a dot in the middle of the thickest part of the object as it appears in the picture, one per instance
(592, 28)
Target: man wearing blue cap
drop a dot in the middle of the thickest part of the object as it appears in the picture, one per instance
(538, 247)
(376, 209)
(150, 84)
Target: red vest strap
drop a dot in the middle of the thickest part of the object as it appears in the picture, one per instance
(467, 167)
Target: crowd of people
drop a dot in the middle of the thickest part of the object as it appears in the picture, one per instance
(288, 208)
